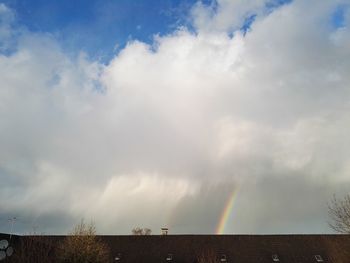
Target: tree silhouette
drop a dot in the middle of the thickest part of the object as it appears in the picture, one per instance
(339, 212)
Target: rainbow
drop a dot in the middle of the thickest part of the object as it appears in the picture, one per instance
(226, 213)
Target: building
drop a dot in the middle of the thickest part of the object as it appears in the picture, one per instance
(227, 248)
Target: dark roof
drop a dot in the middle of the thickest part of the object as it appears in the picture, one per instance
(237, 248)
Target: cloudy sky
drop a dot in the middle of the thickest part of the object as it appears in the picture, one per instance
(155, 113)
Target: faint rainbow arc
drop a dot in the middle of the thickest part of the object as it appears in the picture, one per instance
(226, 212)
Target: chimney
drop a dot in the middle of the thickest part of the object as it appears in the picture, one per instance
(164, 231)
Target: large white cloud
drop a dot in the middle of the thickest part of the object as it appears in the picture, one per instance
(162, 133)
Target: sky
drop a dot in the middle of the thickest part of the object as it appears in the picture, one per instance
(206, 117)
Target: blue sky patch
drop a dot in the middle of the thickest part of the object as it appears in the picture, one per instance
(273, 4)
(247, 23)
(338, 17)
(101, 27)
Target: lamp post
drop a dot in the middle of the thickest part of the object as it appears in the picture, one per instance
(12, 222)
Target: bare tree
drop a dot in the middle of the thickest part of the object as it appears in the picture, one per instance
(83, 246)
(339, 212)
(147, 231)
(138, 231)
